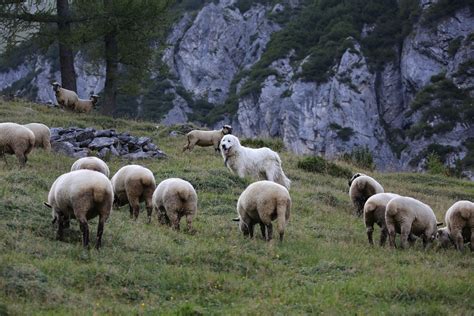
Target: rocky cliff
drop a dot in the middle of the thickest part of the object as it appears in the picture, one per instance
(395, 111)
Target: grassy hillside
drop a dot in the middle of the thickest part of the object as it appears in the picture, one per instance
(324, 265)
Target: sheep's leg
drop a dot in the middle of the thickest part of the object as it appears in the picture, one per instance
(47, 145)
(21, 158)
(412, 240)
(269, 232)
(263, 230)
(404, 232)
(189, 223)
(100, 231)
(85, 232)
(251, 228)
(383, 236)
(135, 206)
(60, 232)
(130, 210)
(458, 239)
(370, 231)
(174, 218)
(472, 240)
(149, 206)
(391, 236)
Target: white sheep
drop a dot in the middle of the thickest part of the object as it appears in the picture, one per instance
(173, 199)
(406, 215)
(91, 163)
(206, 138)
(459, 220)
(374, 212)
(260, 203)
(361, 188)
(42, 135)
(81, 194)
(85, 106)
(66, 98)
(133, 184)
(16, 139)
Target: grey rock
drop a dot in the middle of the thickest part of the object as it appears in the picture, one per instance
(64, 148)
(80, 154)
(83, 135)
(114, 151)
(105, 133)
(103, 152)
(101, 142)
(141, 141)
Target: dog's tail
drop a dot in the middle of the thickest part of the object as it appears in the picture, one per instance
(279, 176)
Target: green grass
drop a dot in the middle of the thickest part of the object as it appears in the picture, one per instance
(323, 266)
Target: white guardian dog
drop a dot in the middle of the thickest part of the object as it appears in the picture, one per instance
(257, 163)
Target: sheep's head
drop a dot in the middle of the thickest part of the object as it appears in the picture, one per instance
(56, 86)
(355, 176)
(228, 143)
(243, 226)
(444, 238)
(227, 129)
(94, 98)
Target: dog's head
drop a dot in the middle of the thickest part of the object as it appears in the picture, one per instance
(227, 129)
(229, 143)
(56, 86)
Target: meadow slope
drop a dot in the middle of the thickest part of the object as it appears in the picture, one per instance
(323, 266)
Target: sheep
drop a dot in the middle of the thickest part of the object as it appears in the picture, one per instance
(374, 212)
(459, 220)
(81, 194)
(407, 216)
(361, 187)
(66, 98)
(16, 139)
(42, 135)
(91, 163)
(133, 184)
(85, 106)
(260, 203)
(173, 199)
(206, 138)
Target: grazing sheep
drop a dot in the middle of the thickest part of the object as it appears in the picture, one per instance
(133, 184)
(91, 163)
(81, 194)
(374, 212)
(206, 138)
(361, 188)
(66, 98)
(410, 216)
(85, 106)
(459, 226)
(173, 199)
(246, 161)
(42, 135)
(16, 139)
(261, 203)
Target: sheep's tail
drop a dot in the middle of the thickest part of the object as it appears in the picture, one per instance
(283, 214)
(183, 195)
(99, 194)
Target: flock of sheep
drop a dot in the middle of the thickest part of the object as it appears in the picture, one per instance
(86, 191)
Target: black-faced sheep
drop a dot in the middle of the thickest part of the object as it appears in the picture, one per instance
(42, 135)
(206, 138)
(374, 212)
(173, 199)
(66, 98)
(81, 194)
(261, 203)
(16, 139)
(361, 187)
(133, 184)
(85, 106)
(407, 216)
(91, 163)
(459, 220)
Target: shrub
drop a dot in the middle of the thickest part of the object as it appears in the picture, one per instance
(275, 144)
(361, 157)
(434, 164)
(320, 165)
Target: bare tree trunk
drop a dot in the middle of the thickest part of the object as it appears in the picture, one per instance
(111, 67)
(66, 56)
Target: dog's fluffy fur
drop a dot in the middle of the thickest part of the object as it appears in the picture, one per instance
(244, 161)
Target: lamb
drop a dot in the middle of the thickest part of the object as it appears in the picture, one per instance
(206, 138)
(42, 135)
(85, 106)
(260, 203)
(66, 98)
(16, 139)
(173, 199)
(410, 216)
(133, 184)
(361, 188)
(374, 212)
(459, 226)
(91, 163)
(81, 194)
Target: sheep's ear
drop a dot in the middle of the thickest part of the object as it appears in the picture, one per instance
(237, 219)
(439, 223)
(54, 220)
(47, 204)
